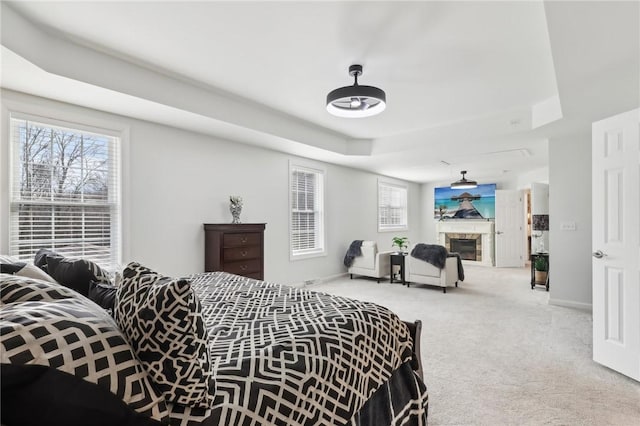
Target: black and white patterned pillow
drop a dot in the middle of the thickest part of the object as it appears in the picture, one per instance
(22, 289)
(162, 318)
(48, 325)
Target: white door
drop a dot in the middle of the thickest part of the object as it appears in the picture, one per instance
(616, 243)
(509, 229)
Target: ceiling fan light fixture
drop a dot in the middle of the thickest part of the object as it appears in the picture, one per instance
(356, 101)
(464, 183)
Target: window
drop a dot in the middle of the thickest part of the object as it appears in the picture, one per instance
(307, 211)
(392, 206)
(64, 191)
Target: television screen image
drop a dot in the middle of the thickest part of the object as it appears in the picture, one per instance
(476, 203)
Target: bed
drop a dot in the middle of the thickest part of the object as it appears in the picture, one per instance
(261, 353)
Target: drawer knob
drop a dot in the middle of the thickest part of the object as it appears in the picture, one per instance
(243, 253)
(243, 240)
(243, 267)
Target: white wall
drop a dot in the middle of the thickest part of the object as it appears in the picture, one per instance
(178, 180)
(570, 201)
(525, 179)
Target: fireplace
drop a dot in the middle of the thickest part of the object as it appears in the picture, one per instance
(479, 232)
(465, 247)
(468, 245)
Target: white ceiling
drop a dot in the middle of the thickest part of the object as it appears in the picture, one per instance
(467, 83)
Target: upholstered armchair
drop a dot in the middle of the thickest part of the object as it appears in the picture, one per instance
(420, 271)
(372, 263)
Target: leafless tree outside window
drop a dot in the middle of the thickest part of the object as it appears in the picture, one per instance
(63, 200)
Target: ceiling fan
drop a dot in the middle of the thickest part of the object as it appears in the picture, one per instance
(356, 101)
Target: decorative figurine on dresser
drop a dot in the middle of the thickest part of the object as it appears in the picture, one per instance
(235, 248)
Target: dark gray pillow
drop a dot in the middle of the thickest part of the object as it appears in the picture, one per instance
(103, 294)
(75, 273)
(40, 259)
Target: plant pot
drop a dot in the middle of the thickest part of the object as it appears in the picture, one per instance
(540, 277)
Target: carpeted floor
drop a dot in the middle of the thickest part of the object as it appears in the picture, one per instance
(495, 353)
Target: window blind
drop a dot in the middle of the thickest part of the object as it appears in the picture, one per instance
(307, 228)
(392, 206)
(64, 192)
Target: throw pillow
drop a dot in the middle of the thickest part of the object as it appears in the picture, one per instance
(48, 325)
(27, 270)
(11, 268)
(32, 271)
(103, 294)
(14, 289)
(75, 273)
(163, 321)
(40, 258)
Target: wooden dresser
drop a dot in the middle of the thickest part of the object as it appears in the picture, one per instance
(235, 248)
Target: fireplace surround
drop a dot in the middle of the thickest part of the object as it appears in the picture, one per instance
(478, 231)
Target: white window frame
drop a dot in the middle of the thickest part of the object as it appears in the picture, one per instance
(320, 231)
(402, 192)
(116, 191)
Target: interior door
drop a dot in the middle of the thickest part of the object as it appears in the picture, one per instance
(509, 229)
(616, 243)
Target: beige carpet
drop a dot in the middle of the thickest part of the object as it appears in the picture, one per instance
(495, 353)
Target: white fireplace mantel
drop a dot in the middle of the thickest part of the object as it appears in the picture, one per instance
(484, 228)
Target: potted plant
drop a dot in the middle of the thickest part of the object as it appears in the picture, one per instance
(401, 242)
(541, 268)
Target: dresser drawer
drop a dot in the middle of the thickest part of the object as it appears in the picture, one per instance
(242, 253)
(239, 240)
(243, 267)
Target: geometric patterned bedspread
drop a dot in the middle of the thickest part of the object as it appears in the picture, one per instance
(288, 356)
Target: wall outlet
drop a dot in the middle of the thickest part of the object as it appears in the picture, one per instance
(568, 226)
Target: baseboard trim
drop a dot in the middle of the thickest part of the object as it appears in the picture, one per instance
(571, 304)
(320, 280)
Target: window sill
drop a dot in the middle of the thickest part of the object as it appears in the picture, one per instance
(303, 256)
(398, 229)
